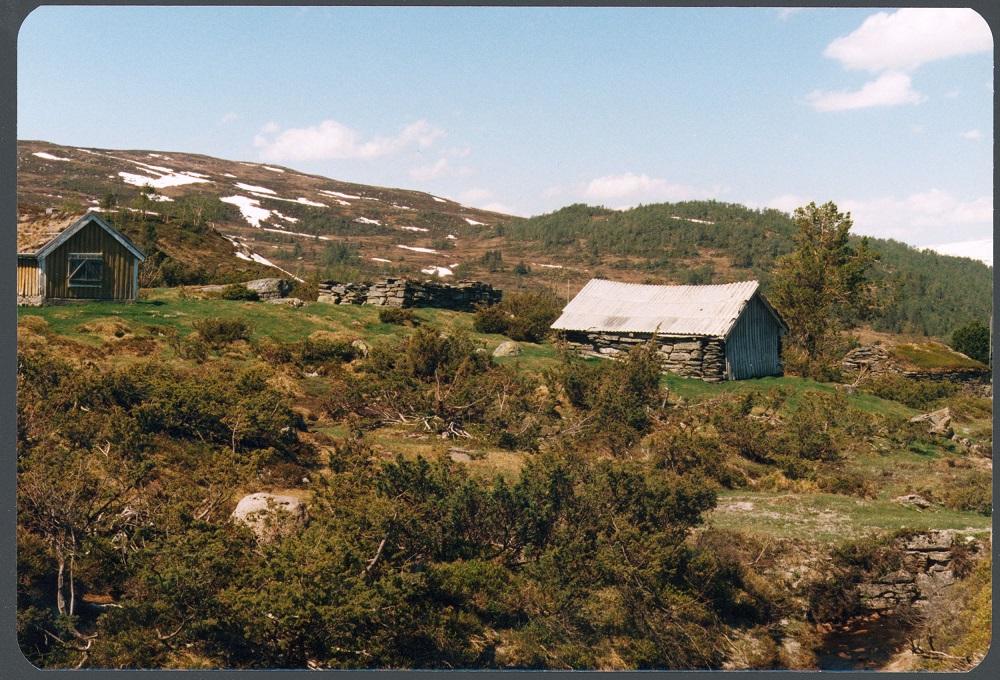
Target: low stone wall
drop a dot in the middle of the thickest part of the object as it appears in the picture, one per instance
(392, 292)
(927, 568)
(30, 300)
(702, 358)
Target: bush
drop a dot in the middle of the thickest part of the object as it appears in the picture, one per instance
(972, 493)
(972, 340)
(237, 291)
(919, 394)
(219, 332)
(520, 316)
(396, 315)
(321, 350)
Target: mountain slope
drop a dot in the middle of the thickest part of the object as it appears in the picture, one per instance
(213, 220)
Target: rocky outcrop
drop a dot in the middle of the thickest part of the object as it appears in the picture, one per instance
(270, 288)
(939, 422)
(871, 358)
(928, 565)
(703, 358)
(394, 292)
(270, 516)
(507, 348)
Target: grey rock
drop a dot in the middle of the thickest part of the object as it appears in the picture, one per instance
(507, 348)
(270, 516)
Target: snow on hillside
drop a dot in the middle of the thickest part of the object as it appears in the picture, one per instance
(255, 189)
(365, 220)
(473, 222)
(171, 179)
(249, 208)
(440, 272)
(49, 157)
(418, 249)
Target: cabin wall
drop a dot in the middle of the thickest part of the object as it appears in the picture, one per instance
(29, 289)
(753, 348)
(118, 278)
(690, 357)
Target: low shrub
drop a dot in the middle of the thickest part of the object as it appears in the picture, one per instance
(520, 316)
(219, 332)
(321, 350)
(237, 291)
(397, 316)
(972, 492)
(919, 394)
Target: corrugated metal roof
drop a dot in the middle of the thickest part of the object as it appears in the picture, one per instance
(668, 310)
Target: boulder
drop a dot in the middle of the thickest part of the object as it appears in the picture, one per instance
(507, 348)
(290, 301)
(270, 288)
(913, 500)
(362, 347)
(939, 421)
(270, 516)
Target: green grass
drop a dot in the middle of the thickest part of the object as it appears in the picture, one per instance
(830, 518)
(933, 356)
(697, 390)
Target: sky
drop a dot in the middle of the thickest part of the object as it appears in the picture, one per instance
(888, 113)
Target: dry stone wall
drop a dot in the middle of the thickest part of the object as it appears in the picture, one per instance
(395, 292)
(702, 358)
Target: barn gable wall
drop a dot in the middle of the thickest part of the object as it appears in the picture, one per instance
(29, 291)
(118, 270)
(753, 348)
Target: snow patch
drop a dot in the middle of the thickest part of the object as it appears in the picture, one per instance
(229, 174)
(160, 198)
(473, 222)
(440, 272)
(402, 207)
(365, 220)
(439, 200)
(249, 208)
(297, 233)
(293, 220)
(174, 179)
(418, 249)
(254, 189)
(415, 229)
(244, 253)
(339, 194)
(306, 201)
(50, 157)
(155, 168)
(692, 219)
(546, 266)
(197, 174)
(268, 167)
(452, 237)
(380, 259)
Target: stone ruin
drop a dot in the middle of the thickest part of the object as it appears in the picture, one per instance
(928, 567)
(463, 296)
(702, 358)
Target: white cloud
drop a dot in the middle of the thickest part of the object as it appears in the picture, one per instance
(478, 197)
(974, 135)
(427, 172)
(952, 94)
(977, 249)
(784, 13)
(629, 189)
(909, 37)
(889, 89)
(333, 140)
(922, 217)
(229, 117)
(918, 218)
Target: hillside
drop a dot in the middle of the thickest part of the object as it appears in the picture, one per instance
(465, 511)
(212, 220)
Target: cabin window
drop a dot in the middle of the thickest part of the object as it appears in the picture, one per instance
(86, 270)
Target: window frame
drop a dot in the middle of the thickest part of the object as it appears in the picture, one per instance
(79, 263)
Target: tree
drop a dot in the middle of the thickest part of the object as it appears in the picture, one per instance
(823, 285)
(973, 340)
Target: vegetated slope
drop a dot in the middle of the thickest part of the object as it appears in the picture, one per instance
(582, 514)
(214, 220)
(712, 242)
(298, 222)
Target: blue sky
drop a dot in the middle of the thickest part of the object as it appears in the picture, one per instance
(888, 113)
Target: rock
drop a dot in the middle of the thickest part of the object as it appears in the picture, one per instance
(291, 301)
(507, 348)
(270, 288)
(940, 421)
(460, 455)
(270, 516)
(362, 347)
(913, 500)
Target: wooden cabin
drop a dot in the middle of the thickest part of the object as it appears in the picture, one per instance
(714, 333)
(64, 258)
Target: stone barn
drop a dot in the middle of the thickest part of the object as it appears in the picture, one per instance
(62, 258)
(717, 332)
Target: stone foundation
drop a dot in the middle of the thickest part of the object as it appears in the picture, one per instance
(702, 358)
(462, 296)
(30, 300)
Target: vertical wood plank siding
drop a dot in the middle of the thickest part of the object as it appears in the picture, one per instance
(753, 348)
(27, 277)
(117, 279)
